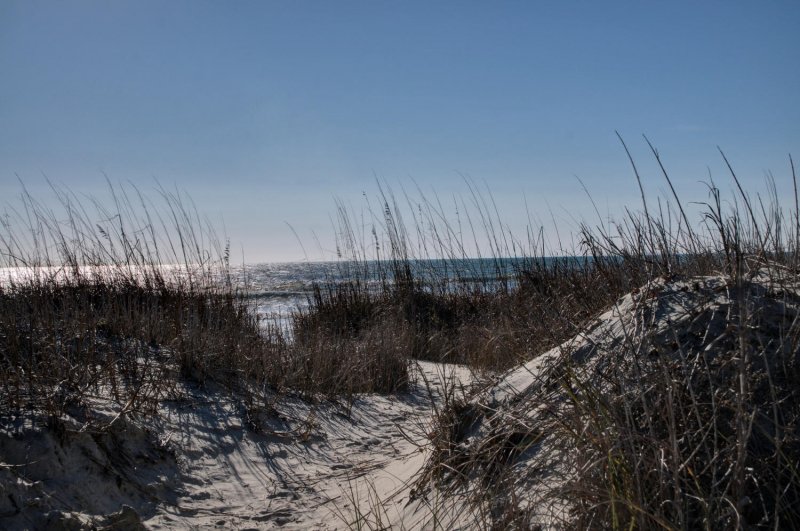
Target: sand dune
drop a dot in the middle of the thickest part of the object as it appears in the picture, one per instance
(205, 460)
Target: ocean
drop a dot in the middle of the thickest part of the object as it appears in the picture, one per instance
(277, 289)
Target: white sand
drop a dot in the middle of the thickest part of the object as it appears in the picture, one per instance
(320, 466)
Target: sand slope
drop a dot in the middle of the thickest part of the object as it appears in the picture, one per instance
(508, 452)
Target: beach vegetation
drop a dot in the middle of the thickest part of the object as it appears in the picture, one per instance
(665, 421)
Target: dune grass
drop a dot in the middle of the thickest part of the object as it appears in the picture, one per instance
(684, 421)
(88, 307)
(128, 296)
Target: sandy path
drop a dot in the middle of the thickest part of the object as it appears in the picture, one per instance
(320, 466)
(197, 465)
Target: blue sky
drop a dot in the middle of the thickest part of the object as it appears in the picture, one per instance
(266, 111)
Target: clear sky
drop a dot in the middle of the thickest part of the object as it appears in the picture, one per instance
(266, 111)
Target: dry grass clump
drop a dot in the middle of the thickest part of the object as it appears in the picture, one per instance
(63, 341)
(694, 421)
(89, 307)
(125, 302)
(695, 424)
(346, 343)
(489, 313)
(678, 408)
